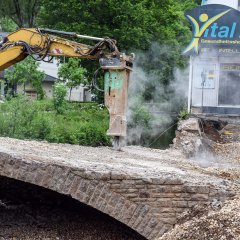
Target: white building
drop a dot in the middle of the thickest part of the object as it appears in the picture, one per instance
(214, 81)
(231, 3)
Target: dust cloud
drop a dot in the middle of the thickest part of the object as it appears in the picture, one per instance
(153, 105)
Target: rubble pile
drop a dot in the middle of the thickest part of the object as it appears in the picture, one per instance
(215, 224)
(213, 144)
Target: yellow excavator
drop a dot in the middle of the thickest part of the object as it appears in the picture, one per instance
(42, 43)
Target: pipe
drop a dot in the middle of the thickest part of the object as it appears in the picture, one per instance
(69, 34)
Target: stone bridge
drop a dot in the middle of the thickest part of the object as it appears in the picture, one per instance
(147, 190)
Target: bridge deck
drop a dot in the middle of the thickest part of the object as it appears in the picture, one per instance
(132, 160)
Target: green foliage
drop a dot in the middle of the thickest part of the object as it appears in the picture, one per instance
(22, 12)
(26, 72)
(84, 124)
(146, 20)
(7, 24)
(20, 118)
(72, 74)
(183, 114)
(59, 94)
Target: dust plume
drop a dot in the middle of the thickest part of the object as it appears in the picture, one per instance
(153, 103)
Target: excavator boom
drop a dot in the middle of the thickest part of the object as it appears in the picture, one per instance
(38, 42)
(41, 43)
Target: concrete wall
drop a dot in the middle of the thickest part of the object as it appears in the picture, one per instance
(47, 87)
(80, 94)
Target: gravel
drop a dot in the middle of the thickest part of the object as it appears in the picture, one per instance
(221, 224)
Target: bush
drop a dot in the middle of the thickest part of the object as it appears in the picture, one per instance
(84, 124)
(59, 94)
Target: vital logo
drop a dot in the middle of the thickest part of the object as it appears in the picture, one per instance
(215, 28)
(199, 31)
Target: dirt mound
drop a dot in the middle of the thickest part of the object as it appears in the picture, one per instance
(223, 224)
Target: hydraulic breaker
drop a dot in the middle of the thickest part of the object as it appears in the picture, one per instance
(116, 81)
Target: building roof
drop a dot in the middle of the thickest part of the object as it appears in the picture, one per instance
(49, 78)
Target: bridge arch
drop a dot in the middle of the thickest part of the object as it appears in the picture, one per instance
(90, 188)
(150, 206)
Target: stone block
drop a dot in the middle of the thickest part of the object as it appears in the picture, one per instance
(177, 189)
(75, 185)
(163, 195)
(119, 206)
(173, 181)
(185, 196)
(115, 186)
(128, 211)
(156, 230)
(118, 176)
(138, 186)
(68, 182)
(164, 229)
(144, 194)
(139, 211)
(131, 195)
(164, 202)
(200, 197)
(180, 204)
(196, 189)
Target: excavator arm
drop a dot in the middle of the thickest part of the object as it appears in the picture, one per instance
(42, 43)
(38, 42)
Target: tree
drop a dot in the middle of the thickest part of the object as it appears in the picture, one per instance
(59, 94)
(26, 72)
(135, 24)
(72, 74)
(22, 12)
(156, 31)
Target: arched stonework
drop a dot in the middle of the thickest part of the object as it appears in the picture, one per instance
(149, 206)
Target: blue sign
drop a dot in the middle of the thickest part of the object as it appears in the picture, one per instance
(216, 28)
